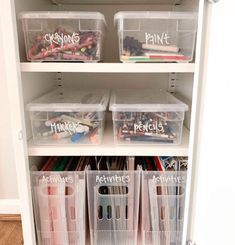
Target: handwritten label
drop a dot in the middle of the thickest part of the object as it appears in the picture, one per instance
(57, 179)
(157, 39)
(112, 179)
(170, 179)
(70, 127)
(62, 39)
(156, 127)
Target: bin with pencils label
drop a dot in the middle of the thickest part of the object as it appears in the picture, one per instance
(147, 117)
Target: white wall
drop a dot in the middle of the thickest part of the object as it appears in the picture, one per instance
(8, 182)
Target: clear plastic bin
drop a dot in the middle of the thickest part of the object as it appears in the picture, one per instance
(156, 36)
(69, 117)
(63, 36)
(147, 117)
(59, 207)
(113, 204)
(163, 203)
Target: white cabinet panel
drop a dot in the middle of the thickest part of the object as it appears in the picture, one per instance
(215, 196)
(8, 185)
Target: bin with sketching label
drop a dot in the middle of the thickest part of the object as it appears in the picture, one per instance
(59, 207)
(147, 117)
(113, 206)
(162, 209)
(63, 36)
(69, 117)
(154, 36)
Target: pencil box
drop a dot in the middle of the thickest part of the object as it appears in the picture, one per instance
(146, 117)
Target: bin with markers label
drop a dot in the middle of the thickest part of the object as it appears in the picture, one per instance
(68, 116)
(162, 208)
(154, 36)
(147, 117)
(59, 207)
(113, 206)
(63, 36)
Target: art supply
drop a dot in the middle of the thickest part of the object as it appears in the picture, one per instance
(146, 117)
(170, 49)
(62, 36)
(155, 36)
(76, 137)
(69, 117)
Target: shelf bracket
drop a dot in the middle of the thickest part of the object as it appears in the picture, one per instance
(172, 82)
(59, 80)
(59, 83)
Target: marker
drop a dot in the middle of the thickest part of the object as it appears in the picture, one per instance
(94, 136)
(148, 139)
(82, 129)
(52, 120)
(76, 137)
(46, 134)
(61, 135)
(65, 118)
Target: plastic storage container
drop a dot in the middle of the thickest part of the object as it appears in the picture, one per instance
(63, 36)
(163, 203)
(69, 117)
(156, 36)
(147, 116)
(113, 202)
(59, 207)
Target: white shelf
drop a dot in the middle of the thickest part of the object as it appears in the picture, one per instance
(108, 148)
(108, 67)
(116, 1)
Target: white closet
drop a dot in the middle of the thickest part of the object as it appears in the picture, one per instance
(27, 81)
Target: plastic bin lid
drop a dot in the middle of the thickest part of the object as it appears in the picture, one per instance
(145, 101)
(154, 15)
(71, 100)
(62, 15)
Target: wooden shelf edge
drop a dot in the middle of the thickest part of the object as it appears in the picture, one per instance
(10, 217)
